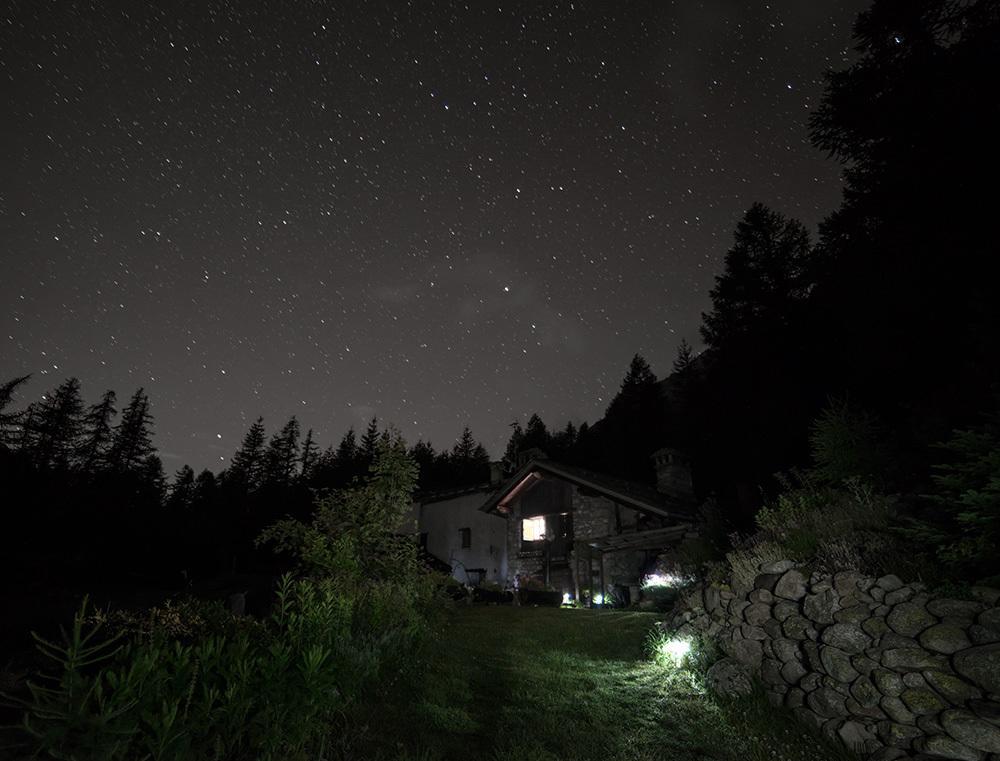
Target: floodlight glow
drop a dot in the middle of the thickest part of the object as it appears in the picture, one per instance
(598, 599)
(566, 598)
(660, 580)
(675, 649)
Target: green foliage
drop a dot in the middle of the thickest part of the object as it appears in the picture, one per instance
(965, 530)
(188, 680)
(829, 528)
(847, 443)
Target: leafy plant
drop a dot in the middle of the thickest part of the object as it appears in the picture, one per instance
(964, 531)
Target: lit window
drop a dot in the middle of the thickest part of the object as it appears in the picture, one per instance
(533, 529)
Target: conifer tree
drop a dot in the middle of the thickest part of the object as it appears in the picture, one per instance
(536, 436)
(152, 478)
(282, 456)
(182, 490)
(205, 486)
(765, 280)
(684, 358)
(56, 425)
(97, 433)
(10, 422)
(369, 442)
(423, 454)
(514, 445)
(309, 456)
(637, 386)
(247, 467)
(132, 442)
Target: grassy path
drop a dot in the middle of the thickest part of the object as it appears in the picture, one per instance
(513, 684)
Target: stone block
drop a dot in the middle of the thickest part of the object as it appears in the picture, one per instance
(910, 619)
(980, 665)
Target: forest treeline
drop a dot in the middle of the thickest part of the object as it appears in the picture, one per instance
(93, 502)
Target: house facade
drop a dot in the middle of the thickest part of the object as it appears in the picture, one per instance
(471, 542)
(587, 534)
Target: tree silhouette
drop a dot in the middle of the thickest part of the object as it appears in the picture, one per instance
(10, 422)
(282, 456)
(765, 280)
(55, 426)
(309, 456)
(369, 442)
(97, 434)
(247, 467)
(182, 490)
(132, 442)
(684, 358)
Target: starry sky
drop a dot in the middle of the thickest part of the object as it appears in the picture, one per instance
(444, 214)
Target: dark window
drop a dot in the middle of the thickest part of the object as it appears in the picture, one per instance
(423, 540)
(466, 537)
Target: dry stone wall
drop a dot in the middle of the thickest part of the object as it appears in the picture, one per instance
(891, 671)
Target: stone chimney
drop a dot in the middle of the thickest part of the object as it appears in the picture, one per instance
(673, 475)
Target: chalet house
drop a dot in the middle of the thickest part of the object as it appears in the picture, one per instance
(587, 534)
(472, 543)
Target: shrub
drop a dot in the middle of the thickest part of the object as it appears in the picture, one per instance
(847, 443)
(107, 697)
(188, 680)
(964, 531)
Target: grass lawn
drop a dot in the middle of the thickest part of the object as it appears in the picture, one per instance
(513, 684)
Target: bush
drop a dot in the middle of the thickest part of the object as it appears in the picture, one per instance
(271, 697)
(190, 681)
(964, 530)
(828, 528)
(847, 443)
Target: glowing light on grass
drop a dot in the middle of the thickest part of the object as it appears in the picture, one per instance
(675, 648)
(567, 598)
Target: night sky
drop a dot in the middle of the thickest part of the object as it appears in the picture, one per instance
(442, 214)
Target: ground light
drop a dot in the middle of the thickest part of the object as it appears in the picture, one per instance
(654, 580)
(674, 649)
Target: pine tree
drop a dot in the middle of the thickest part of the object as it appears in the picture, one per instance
(132, 443)
(369, 442)
(205, 486)
(514, 445)
(423, 454)
(97, 433)
(182, 490)
(684, 359)
(247, 467)
(10, 422)
(152, 478)
(56, 425)
(638, 387)
(282, 456)
(765, 280)
(469, 462)
(464, 446)
(536, 436)
(309, 457)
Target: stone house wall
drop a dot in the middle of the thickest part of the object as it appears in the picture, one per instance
(593, 516)
(891, 671)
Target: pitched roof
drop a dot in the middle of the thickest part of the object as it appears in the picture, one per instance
(620, 490)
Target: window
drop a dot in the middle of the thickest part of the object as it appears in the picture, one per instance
(466, 537)
(533, 529)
